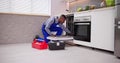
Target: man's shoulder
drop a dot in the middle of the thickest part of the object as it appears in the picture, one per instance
(54, 17)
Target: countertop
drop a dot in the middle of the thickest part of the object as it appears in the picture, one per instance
(93, 10)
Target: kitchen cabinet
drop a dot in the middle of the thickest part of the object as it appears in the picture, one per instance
(102, 28)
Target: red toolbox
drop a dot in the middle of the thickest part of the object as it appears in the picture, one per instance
(39, 45)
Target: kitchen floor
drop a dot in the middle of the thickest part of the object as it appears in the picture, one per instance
(23, 53)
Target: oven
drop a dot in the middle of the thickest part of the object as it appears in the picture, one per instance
(82, 28)
(70, 24)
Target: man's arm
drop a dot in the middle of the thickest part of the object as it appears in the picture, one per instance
(64, 28)
(48, 24)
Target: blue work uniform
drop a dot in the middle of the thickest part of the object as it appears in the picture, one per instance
(52, 25)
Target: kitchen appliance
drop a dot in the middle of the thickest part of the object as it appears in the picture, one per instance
(69, 23)
(117, 30)
(82, 28)
(118, 8)
(117, 37)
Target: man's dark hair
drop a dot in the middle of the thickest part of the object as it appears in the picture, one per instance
(63, 16)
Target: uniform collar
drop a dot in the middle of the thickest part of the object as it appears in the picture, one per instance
(56, 19)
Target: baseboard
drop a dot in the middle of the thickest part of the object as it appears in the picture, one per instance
(93, 48)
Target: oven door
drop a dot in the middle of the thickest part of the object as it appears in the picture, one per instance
(82, 31)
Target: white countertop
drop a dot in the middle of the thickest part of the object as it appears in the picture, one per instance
(93, 10)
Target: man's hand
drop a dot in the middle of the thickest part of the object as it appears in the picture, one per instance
(71, 34)
(52, 35)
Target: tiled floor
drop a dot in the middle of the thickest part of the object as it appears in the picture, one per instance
(23, 53)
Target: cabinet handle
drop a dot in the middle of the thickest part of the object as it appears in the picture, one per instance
(118, 27)
(119, 22)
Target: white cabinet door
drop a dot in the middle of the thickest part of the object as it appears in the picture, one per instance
(4, 5)
(41, 7)
(21, 6)
(102, 29)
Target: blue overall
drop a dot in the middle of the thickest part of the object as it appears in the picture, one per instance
(53, 28)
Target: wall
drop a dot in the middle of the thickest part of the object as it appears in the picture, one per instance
(58, 7)
(19, 28)
(23, 28)
(83, 3)
(26, 6)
